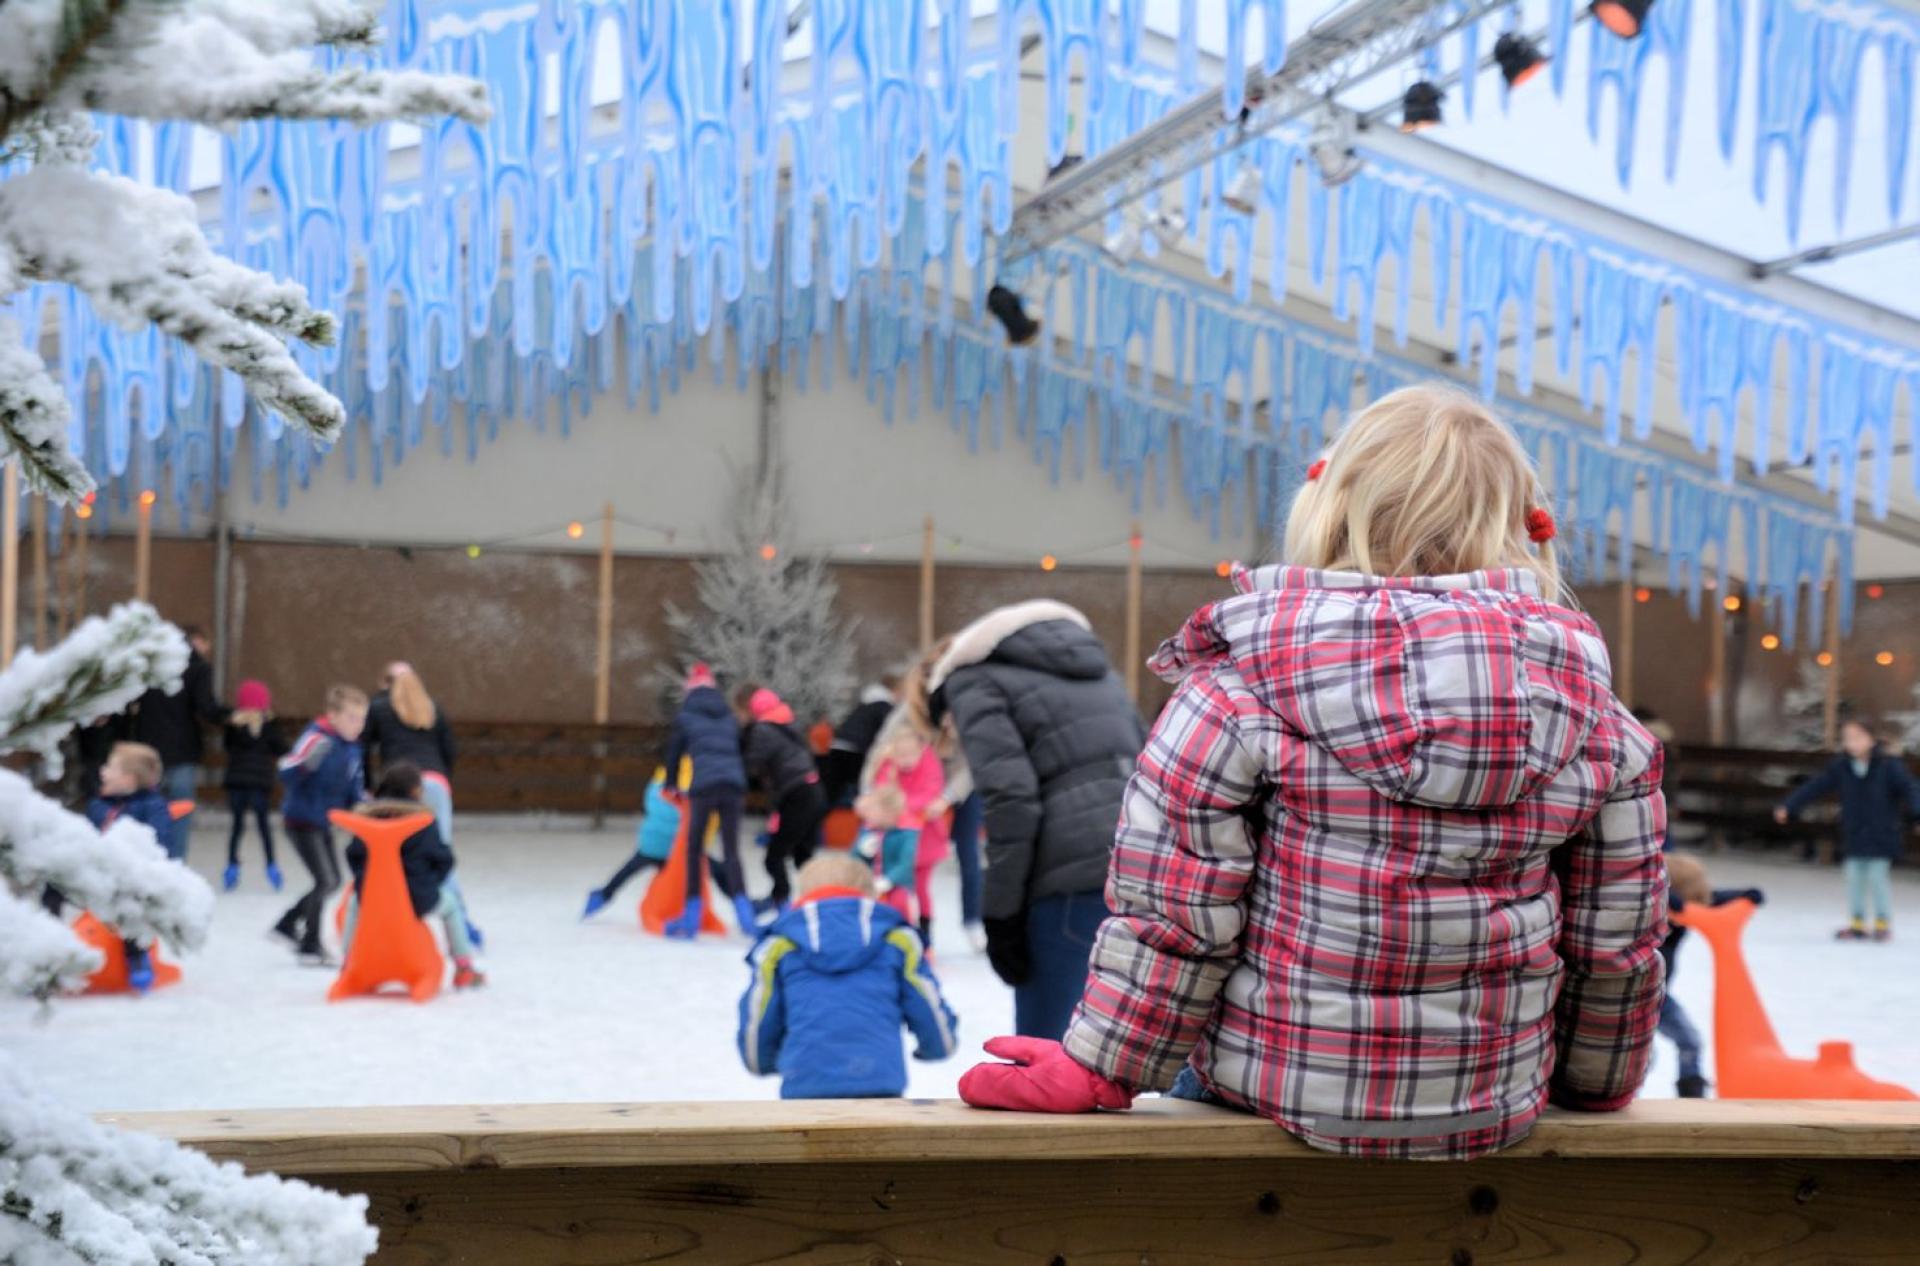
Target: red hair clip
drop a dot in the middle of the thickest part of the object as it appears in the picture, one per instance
(1316, 470)
(1540, 526)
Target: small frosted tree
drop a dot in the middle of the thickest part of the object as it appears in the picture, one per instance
(766, 613)
(72, 1190)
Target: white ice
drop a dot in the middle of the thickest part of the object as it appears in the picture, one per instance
(598, 1011)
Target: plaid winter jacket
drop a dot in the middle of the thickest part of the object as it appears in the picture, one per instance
(1389, 871)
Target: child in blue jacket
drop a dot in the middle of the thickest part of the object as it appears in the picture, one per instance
(653, 846)
(129, 788)
(834, 979)
(324, 771)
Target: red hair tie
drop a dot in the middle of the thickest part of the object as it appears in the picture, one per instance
(1540, 526)
(1316, 470)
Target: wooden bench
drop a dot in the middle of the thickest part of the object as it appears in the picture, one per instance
(920, 1181)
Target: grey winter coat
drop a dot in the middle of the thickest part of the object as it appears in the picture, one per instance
(1051, 738)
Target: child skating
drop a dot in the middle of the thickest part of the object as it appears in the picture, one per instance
(653, 845)
(427, 863)
(1687, 885)
(1877, 795)
(322, 772)
(1389, 871)
(254, 746)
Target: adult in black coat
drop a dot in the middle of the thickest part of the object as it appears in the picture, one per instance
(840, 767)
(406, 726)
(1051, 738)
(170, 725)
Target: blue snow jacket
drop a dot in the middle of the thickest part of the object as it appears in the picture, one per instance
(147, 806)
(322, 772)
(660, 825)
(833, 980)
(1873, 809)
(706, 732)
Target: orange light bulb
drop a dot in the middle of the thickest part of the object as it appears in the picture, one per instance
(1223, 569)
(1048, 562)
(1824, 659)
(1643, 594)
(769, 552)
(1771, 642)
(576, 529)
(1884, 658)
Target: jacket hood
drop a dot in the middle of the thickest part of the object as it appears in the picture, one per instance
(1044, 635)
(840, 934)
(1454, 692)
(873, 692)
(392, 808)
(707, 701)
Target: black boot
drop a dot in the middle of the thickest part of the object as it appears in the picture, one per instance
(1694, 1087)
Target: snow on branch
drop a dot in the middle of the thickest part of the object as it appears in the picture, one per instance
(34, 416)
(72, 1189)
(39, 955)
(104, 665)
(120, 875)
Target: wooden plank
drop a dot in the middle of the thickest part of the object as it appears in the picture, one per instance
(1830, 702)
(1285, 1210)
(926, 585)
(1132, 654)
(10, 563)
(603, 629)
(1623, 662)
(373, 1140)
(39, 521)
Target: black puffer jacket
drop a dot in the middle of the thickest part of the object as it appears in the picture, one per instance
(170, 723)
(390, 740)
(779, 761)
(253, 758)
(1052, 739)
(706, 731)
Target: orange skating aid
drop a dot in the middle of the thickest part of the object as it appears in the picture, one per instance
(112, 976)
(1748, 1060)
(390, 943)
(666, 896)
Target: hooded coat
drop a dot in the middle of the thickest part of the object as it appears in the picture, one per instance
(1050, 737)
(834, 980)
(705, 731)
(1390, 869)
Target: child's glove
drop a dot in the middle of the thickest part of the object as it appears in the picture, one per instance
(868, 845)
(1041, 1078)
(1007, 949)
(882, 886)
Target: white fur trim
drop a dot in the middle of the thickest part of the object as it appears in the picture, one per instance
(978, 640)
(876, 693)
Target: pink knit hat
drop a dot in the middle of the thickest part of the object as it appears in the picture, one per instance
(253, 696)
(699, 677)
(768, 706)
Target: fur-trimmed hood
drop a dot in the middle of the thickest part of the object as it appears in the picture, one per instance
(996, 635)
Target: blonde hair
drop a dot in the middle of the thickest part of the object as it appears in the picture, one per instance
(140, 761)
(835, 870)
(340, 698)
(1425, 481)
(915, 698)
(1688, 879)
(410, 700)
(886, 800)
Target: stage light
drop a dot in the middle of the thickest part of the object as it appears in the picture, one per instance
(1048, 562)
(1331, 147)
(1243, 191)
(1884, 658)
(1876, 592)
(1625, 18)
(1824, 659)
(1643, 594)
(1420, 107)
(1124, 242)
(576, 529)
(1731, 602)
(1771, 642)
(1519, 58)
(1012, 314)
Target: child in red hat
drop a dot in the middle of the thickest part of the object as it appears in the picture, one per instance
(254, 747)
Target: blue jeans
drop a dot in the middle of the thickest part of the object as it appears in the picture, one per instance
(180, 782)
(1188, 1086)
(1059, 941)
(967, 817)
(1678, 1029)
(1869, 874)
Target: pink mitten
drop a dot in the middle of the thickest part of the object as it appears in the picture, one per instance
(1041, 1078)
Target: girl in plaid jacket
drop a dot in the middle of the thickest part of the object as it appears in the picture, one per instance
(1389, 870)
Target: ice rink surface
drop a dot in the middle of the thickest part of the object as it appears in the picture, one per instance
(598, 1011)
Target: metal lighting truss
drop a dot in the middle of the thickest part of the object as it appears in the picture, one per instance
(1335, 54)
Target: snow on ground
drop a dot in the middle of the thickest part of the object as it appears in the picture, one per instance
(598, 1011)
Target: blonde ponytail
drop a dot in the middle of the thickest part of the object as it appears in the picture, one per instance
(411, 702)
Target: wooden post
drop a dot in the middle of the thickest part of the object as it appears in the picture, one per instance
(63, 582)
(926, 586)
(1134, 543)
(1623, 662)
(1717, 671)
(143, 549)
(10, 566)
(82, 533)
(603, 670)
(39, 521)
(1830, 706)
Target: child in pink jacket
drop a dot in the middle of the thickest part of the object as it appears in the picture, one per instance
(912, 764)
(1389, 870)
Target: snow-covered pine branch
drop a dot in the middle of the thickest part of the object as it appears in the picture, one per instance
(72, 1189)
(102, 666)
(39, 955)
(136, 252)
(120, 875)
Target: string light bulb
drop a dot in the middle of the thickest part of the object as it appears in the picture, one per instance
(769, 552)
(576, 529)
(1884, 658)
(1731, 602)
(473, 551)
(148, 497)
(1223, 569)
(1824, 659)
(1876, 592)
(1771, 642)
(84, 510)
(1643, 594)
(1048, 562)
